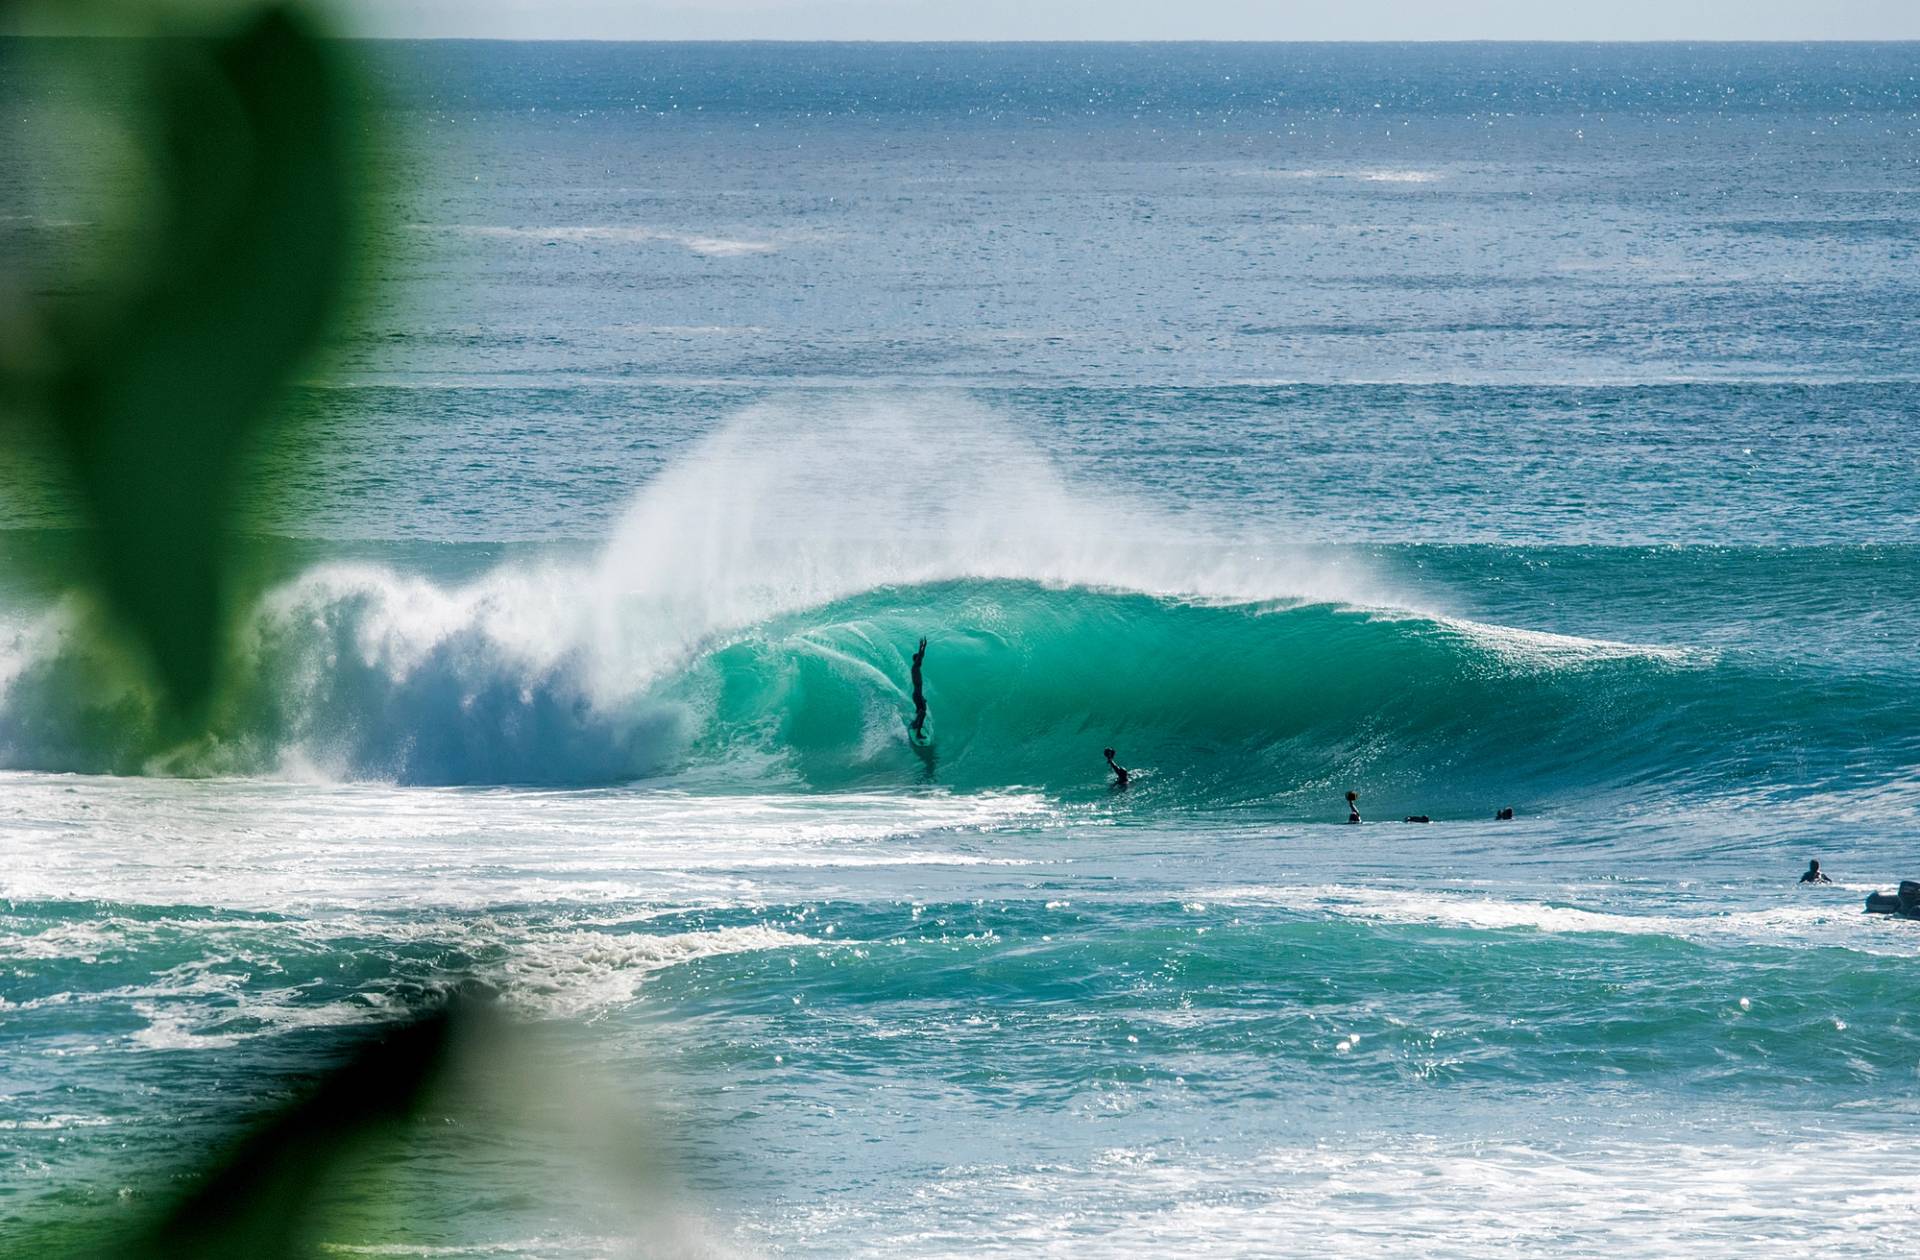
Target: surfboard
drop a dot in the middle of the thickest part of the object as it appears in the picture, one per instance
(924, 737)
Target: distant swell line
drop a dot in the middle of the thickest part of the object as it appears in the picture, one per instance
(705, 245)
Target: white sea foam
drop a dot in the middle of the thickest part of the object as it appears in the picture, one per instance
(1395, 1194)
(705, 245)
(1364, 175)
(691, 330)
(261, 848)
(215, 1001)
(544, 1245)
(56, 1123)
(1542, 648)
(1832, 924)
(669, 1232)
(572, 974)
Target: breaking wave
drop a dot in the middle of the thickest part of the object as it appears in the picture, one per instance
(751, 620)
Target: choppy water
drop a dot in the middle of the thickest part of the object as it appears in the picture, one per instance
(1471, 427)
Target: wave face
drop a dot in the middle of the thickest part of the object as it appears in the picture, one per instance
(746, 627)
(1283, 704)
(1214, 703)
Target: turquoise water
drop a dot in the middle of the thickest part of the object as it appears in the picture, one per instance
(1469, 427)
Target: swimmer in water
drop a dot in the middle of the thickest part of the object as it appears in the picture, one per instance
(1814, 874)
(1120, 775)
(1353, 807)
(919, 696)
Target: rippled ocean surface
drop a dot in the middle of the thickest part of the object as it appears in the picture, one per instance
(1466, 426)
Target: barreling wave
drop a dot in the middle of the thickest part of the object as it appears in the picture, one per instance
(749, 626)
(360, 673)
(1215, 703)
(1282, 703)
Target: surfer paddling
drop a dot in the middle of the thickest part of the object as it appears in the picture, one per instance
(919, 695)
(1120, 775)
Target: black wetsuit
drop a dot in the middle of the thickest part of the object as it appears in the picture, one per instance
(919, 696)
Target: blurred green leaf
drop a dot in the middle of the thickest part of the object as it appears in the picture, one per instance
(257, 1202)
(158, 378)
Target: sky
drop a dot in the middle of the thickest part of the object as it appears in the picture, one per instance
(1138, 19)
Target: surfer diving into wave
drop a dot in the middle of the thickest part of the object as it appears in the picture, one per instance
(1120, 775)
(919, 695)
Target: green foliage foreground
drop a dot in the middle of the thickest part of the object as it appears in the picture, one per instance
(145, 388)
(148, 385)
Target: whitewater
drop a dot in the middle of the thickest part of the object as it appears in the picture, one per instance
(1472, 429)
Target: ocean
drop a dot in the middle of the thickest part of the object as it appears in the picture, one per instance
(1467, 426)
